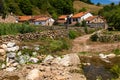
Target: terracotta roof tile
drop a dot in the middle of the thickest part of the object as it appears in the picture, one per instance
(42, 19)
(79, 14)
(62, 17)
(24, 18)
(91, 18)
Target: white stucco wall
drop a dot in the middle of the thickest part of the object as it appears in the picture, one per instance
(86, 16)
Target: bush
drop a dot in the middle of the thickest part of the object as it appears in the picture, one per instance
(73, 34)
(12, 28)
(94, 37)
(116, 70)
(78, 24)
(116, 51)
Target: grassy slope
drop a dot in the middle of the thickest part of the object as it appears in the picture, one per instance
(92, 8)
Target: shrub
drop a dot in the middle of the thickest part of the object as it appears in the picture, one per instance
(116, 51)
(94, 37)
(13, 28)
(115, 70)
(73, 34)
(78, 24)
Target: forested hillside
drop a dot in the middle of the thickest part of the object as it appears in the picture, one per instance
(33, 7)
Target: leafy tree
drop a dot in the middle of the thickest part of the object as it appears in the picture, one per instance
(25, 7)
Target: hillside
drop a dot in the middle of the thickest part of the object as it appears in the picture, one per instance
(79, 5)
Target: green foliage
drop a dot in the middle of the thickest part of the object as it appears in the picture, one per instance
(116, 70)
(12, 28)
(28, 7)
(116, 51)
(83, 10)
(73, 34)
(78, 24)
(53, 46)
(94, 37)
(111, 13)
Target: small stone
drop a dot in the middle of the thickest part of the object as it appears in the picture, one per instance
(33, 60)
(34, 53)
(111, 55)
(2, 52)
(37, 48)
(15, 64)
(3, 66)
(33, 75)
(10, 69)
(19, 53)
(4, 46)
(10, 44)
(11, 55)
(49, 57)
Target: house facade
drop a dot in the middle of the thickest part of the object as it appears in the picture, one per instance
(81, 16)
(37, 20)
(95, 21)
(62, 19)
(44, 21)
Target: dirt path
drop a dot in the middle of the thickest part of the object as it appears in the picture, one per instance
(80, 44)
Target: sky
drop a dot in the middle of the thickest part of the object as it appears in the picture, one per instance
(105, 1)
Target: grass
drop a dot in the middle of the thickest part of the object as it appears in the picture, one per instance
(13, 28)
(92, 8)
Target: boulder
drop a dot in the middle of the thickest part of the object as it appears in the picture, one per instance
(4, 46)
(33, 75)
(2, 52)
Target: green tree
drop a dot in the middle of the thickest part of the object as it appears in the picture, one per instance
(25, 7)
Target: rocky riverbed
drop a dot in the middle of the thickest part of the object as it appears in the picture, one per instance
(18, 64)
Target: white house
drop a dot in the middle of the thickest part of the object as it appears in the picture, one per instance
(44, 21)
(81, 16)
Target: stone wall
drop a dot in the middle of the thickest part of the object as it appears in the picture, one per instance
(36, 35)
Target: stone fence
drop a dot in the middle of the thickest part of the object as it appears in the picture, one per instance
(36, 35)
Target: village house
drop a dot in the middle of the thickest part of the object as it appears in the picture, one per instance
(8, 19)
(62, 19)
(79, 17)
(65, 18)
(37, 20)
(95, 21)
(44, 21)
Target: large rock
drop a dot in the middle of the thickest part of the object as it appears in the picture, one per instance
(10, 44)
(33, 75)
(11, 55)
(13, 49)
(4, 46)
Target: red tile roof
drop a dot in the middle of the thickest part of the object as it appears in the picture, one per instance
(42, 19)
(24, 18)
(62, 17)
(91, 18)
(79, 14)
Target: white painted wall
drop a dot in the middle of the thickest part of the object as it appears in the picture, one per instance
(86, 16)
